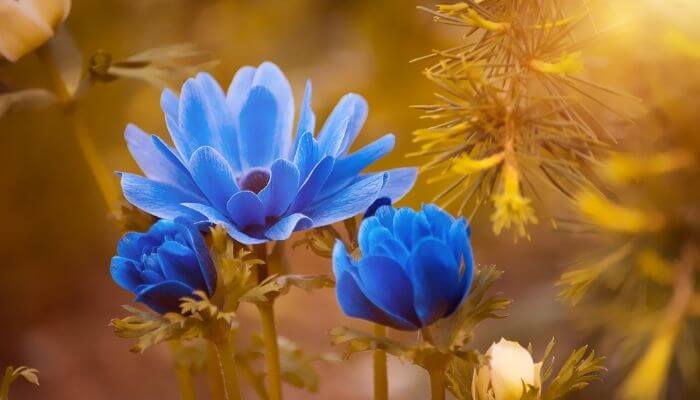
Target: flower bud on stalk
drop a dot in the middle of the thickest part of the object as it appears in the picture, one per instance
(510, 368)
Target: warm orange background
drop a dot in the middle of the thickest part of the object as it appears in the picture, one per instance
(56, 239)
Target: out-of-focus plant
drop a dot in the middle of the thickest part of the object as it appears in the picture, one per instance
(35, 26)
(641, 287)
(12, 374)
(514, 114)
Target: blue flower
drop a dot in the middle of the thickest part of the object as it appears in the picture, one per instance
(235, 162)
(415, 268)
(161, 266)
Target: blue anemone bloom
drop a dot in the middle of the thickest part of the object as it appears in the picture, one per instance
(235, 162)
(415, 268)
(161, 266)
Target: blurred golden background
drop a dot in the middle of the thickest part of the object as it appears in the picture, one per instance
(57, 235)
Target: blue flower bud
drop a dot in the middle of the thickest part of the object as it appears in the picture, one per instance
(163, 265)
(415, 268)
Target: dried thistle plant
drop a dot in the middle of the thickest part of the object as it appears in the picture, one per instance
(513, 115)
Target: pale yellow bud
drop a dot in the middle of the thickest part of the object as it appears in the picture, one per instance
(511, 366)
(27, 24)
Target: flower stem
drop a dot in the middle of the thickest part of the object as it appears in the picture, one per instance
(5, 384)
(381, 387)
(103, 176)
(227, 365)
(214, 371)
(184, 378)
(437, 383)
(272, 356)
(267, 319)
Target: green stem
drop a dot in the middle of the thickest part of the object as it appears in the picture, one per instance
(437, 383)
(267, 319)
(214, 371)
(272, 353)
(227, 365)
(184, 377)
(381, 386)
(103, 176)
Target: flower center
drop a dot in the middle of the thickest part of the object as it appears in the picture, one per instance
(255, 180)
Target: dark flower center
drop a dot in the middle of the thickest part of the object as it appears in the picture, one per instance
(255, 180)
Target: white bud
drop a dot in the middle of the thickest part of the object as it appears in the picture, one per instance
(511, 366)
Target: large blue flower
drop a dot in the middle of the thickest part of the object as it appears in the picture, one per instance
(161, 266)
(415, 268)
(235, 162)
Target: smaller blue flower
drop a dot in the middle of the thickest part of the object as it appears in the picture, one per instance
(415, 268)
(165, 264)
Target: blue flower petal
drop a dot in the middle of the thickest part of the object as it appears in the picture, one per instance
(308, 154)
(198, 124)
(159, 199)
(347, 168)
(221, 119)
(440, 221)
(129, 245)
(400, 182)
(307, 118)
(366, 228)
(330, 142)
(156, 159)
(213, 175)
(180, 264)
(420, 229)
(125, 273)
(313, 184)
(238, 92)
(257, 139)
(246, 209)
(377, 237)
(385, 283)
(169, 103)
(435, 279)
(179, 137)
(215, 217)
(462, 248)
(385, 213)
(403, 225)
(197, 243)
(285, 226)
(352, 300)
(348, 202)
(351, 107)
(394, 249)
(165, 296)
(282, 188)
(270, 76)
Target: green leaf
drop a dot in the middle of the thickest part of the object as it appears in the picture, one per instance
(195, 321)
(320, 241)
(457, 330)
(576, 373)
(275, 286)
